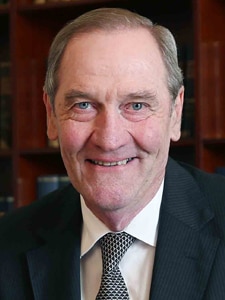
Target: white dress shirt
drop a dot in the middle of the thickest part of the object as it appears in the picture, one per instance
(136, 265)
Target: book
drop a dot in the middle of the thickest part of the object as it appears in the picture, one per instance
(5, 105)
(220, 170)
(63, 181)
(49, 183)
(46, 184)
(6, 204)
(188, 117)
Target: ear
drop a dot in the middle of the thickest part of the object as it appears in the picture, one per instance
(52, 132)
(176, 116)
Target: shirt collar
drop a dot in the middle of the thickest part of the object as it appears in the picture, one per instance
(147, 218)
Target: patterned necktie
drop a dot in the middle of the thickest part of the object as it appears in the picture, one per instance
(114, 246)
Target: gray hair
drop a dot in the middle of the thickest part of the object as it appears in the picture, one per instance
(108, 19)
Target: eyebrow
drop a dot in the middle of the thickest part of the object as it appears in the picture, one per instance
(73, 94)
(145, 94)
(139, 95)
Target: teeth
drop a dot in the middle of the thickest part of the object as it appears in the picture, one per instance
(114, 163)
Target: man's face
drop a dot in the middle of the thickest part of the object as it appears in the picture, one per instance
(114, 119)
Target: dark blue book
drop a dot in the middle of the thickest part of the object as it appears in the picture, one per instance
(220, 170)
(46, 184)
(63, 181)
(6, 204)
(49, 183)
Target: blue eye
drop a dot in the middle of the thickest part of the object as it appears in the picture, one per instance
(137, 106)
(84, 105)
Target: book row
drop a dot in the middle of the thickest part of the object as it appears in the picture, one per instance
(49, 183)
(45, 185)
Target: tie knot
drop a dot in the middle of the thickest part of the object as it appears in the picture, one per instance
(114, 246)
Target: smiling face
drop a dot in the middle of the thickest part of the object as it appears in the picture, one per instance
(114, 119)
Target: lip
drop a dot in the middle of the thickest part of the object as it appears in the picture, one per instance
(113, 163)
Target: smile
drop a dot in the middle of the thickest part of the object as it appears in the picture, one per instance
(111, 164)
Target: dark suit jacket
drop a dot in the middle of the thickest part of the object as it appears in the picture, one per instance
(40, 244)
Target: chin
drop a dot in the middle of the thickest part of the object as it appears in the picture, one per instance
(109, 201)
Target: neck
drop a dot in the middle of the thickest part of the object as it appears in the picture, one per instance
(118, 220)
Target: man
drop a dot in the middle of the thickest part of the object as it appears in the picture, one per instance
(114, 95)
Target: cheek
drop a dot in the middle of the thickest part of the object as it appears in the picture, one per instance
(147, 136)
(71, 137)
(151, 135)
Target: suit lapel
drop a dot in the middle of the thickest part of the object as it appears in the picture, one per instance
(186, 246)
(54, 267)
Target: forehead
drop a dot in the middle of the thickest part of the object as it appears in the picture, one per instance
(119, 56)
(121, 45)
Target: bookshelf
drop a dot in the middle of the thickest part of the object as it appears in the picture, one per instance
(27, 29)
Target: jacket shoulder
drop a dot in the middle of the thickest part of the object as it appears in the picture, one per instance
(45, 212)
(211, 185)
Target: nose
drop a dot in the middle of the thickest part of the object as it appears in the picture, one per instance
(110, 132)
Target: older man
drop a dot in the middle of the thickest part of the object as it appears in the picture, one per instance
(134, 224)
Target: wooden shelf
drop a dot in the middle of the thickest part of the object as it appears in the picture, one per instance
(40, 152)
(214, 142)
(67, 5)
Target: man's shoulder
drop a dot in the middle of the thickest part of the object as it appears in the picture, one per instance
(211, 185)
(210, 182)
(197, 174)
(45, 212)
